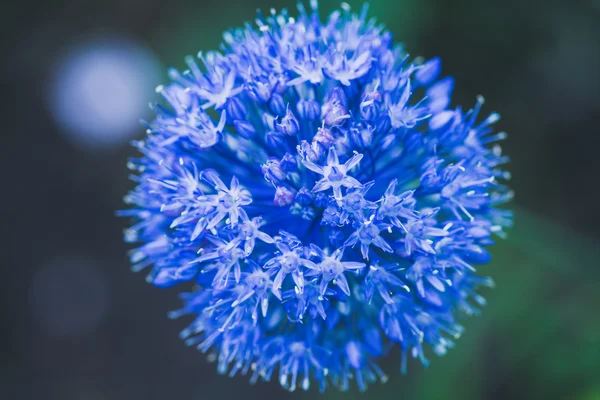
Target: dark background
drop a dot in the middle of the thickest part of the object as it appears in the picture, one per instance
(77, 324)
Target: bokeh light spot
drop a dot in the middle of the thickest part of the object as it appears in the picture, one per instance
(99, 89)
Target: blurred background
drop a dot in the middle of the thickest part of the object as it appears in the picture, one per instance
(77, 75)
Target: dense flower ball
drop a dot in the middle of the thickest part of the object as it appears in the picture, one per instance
(314, 185)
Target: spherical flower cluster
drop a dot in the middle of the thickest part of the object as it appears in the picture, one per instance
(324, 199)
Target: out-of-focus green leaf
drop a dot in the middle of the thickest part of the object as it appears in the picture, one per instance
(540, 324)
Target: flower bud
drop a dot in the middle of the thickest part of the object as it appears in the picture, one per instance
(283, 197)
(428, 71)
(322, 139)
(438, 94)
(362, 135)
(369, 106)
(288, 163)
(337, 94)
(259, 92)
(309, 110)
(442, 121)
(235, 109)
(275, 140)
(334, 113)
(304, 196)
(244, 128)
(277, 104)
(306, 151)
(272, 170)
(289, 124)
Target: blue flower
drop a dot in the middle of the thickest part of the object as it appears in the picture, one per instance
(323, 198)
(335, 175)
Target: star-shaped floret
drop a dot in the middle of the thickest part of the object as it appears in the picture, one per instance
(383, 279)
(190, 121)
(354, 203)
(215, 86)
(248, 231)
(289, 260)
(226, 202)
(335, 175)
(223, 257)
(368, 233)
(421, 233)
(332, 269)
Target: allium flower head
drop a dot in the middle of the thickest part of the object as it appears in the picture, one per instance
(322, 196)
